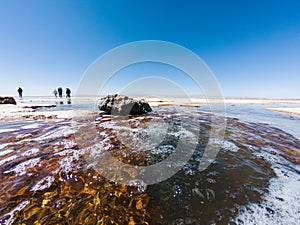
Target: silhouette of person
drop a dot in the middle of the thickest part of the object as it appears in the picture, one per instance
(20, 91)
(68, 93)
(60, 91)
(55, 93)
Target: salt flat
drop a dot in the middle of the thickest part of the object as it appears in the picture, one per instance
(293, 111)
(23, 111)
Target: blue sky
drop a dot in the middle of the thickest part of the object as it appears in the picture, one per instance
(252, 47)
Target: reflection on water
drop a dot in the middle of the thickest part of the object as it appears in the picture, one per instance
(257, 113)
(46, 178)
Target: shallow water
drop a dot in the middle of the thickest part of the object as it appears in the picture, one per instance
(257, 113)
(51, 172)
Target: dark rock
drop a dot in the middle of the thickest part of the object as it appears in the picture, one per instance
(38, 106)
(123, 105)
(7, 100)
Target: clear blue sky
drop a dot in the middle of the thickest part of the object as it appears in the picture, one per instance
(253, 47)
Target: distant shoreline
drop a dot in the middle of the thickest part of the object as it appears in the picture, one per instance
(138, 96)
(292, 111)
(25, 108)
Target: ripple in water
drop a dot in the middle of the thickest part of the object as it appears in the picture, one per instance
(47, 179)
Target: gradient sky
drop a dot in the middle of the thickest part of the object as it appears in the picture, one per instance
(252, 47)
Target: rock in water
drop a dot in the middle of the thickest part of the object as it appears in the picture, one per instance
(7, 100)
(123, 105)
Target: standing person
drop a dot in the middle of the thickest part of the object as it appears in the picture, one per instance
(55, 93)
(68, 93)
(60, 91)
(20, 91)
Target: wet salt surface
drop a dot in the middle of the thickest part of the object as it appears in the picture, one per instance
(280, 206)
(47, 177)
(257, 113)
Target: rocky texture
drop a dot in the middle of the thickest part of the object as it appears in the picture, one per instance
(123, 105)
(7, 100)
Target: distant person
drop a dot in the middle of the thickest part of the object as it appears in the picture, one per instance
(68, 92)
(20, 91)
(60, 91)
(55, 93)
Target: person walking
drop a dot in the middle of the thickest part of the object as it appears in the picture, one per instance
(60, 91)
(20, 91)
